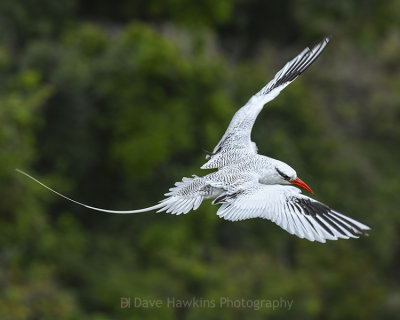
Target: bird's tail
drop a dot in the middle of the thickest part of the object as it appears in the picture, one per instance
(185, 196)
(155, 207)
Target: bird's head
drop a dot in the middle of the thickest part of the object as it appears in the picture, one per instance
(281, 173)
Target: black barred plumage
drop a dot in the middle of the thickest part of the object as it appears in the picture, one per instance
(236, 144)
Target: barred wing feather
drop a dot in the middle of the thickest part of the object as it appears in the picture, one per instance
(288, 208)
(236, 142)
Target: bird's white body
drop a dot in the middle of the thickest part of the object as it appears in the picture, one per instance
(248, 185)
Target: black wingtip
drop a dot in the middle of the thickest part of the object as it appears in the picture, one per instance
(299, 65)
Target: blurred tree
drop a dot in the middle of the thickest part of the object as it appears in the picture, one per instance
(111, 103)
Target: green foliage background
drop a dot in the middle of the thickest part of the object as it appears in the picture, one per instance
(112, 102)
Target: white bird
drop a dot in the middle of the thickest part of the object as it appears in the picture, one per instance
(248, 185)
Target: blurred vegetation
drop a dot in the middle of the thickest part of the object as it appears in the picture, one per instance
(112, 102)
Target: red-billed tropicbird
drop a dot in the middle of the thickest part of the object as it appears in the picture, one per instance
(248, 185)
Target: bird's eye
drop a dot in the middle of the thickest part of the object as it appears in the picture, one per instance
(284, 176)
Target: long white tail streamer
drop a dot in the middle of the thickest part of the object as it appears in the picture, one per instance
(157, 206)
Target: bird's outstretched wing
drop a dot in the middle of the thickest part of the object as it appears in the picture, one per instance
(288, 208)
(236, 142)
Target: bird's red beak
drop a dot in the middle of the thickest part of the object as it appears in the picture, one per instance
(301, 184)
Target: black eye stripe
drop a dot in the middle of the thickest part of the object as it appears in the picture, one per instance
(284, 176)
